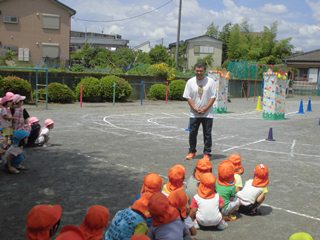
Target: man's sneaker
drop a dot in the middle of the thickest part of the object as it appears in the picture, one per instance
(207, 156)
(190, 156)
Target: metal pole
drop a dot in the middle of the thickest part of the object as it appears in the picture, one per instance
(114, 93)
(47, 82)
(37, 93)
(178, 34)
(141, 92)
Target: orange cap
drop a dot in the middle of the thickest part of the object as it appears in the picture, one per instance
(70, 232)
(161, 210)
(40, 219)
(203, 166)
(236, 160)
(206, 186)
(139, 237)
(95, 221)
(152, 182)
(176, 176)
(141, 204)
(179, 200)
(226, 173)
(261, 176)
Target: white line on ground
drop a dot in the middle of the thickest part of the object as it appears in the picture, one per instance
(292, 147)
(247, 144)
(278, 152)
(293, 212)
(291, 113)
(102, 130)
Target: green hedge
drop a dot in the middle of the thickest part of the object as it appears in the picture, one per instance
(122, 92)
(91, 89)
(57, 92)
(16, 85)
(157, 92)
(176, 89)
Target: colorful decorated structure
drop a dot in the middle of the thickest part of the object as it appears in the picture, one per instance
(221, 79)
(274, 95)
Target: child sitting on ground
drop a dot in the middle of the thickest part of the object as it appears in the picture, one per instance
(71, 232)
(14, 155)
(152, 183)
(43, 138)
(19, 113)
(203, 166)
(254, 191)
(206, 204)
(6, 120)
(95, 222)
(43, 221)
(238, 170)
(227, 190)
(179, 200)
(166, 222)
(176, 176)
(35, 128)
(128, 222)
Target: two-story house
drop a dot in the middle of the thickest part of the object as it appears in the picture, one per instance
(37, 30)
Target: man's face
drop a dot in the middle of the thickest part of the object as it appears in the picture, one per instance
(199, 73)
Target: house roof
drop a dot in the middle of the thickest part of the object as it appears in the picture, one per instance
(70, 10)
(312, 56)
(202, 36)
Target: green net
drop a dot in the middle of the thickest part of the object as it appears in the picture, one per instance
(244, 70)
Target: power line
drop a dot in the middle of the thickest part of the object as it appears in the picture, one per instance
(124, 19)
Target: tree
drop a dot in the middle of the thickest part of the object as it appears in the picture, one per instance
(213, 30)
(224, 36)
(159, 54)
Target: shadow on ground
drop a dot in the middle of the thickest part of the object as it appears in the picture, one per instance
(58, 176)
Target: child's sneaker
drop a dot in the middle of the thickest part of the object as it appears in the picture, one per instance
(222, 225)
(230, 218)
(196, 224)
(21, 167)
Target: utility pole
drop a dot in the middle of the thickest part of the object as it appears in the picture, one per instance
(178, 34)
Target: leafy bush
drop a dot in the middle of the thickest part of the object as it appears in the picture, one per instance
(162, 70)
(57, 92)
(91, 89)
(60, 93)
(157, 92)
(141, 69)
(123, 88)
(77, 68)
(176, 89)
(16, 85)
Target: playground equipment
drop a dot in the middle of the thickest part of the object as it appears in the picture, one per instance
(274, 95)
(38, 84)
(221, 79)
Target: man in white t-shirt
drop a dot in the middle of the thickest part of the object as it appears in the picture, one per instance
(200, 93)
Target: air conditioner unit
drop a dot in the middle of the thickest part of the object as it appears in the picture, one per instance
(10, 19)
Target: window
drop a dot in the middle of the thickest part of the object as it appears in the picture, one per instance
(50, 50)
(203, 49)
(23, 54)
(50, 21)
(10, 19)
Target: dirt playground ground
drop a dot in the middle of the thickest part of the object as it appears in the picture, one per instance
(100, 153)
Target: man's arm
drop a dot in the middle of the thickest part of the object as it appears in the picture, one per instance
(193, 105)
(209, 105)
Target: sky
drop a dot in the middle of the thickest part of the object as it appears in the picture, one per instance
(157, 20)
